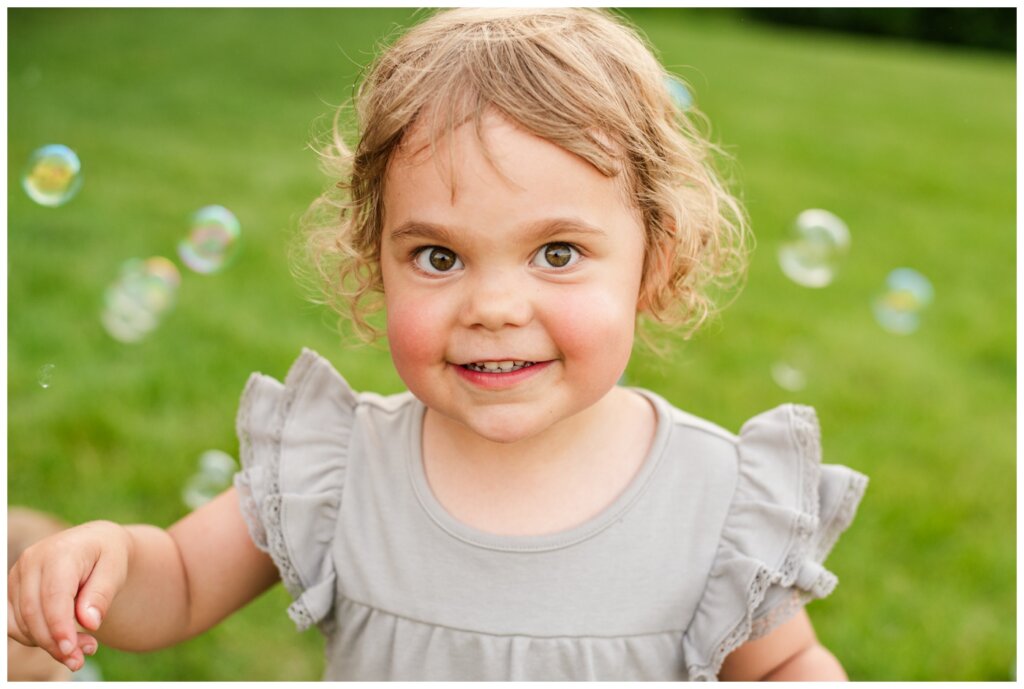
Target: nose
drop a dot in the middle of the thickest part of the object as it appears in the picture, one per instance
(497, 300)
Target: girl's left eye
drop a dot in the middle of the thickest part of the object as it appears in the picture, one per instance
(556, 255)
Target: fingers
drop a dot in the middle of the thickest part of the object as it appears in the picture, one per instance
(13, 627)
(28, 611)
(57, 588)
(86, 645)
(33, 603)
(98, 591)
(41, 592)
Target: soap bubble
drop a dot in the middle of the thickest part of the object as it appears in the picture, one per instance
(46, 375)
(788, 377)
(818, 241)
(216, 470)
(53, 175)
(907, 293)
(89, 672)
(134, 304)
(212, 241)
(679, 92)
(791, 371)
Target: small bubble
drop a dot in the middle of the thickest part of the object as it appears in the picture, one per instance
(135, 303)
(788, 377)
(898, 308)
(218, 464)
(679, 92)
(46, 375)
(818, 241)
(792, 369)
(53, 175)
(216, 470)
(89, 672)
(213, 240)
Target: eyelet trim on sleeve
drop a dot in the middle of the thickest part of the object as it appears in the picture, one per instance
(291, 480)
(777, 533)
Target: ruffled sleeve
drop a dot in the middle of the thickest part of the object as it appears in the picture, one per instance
(294, 441)
(787, 512)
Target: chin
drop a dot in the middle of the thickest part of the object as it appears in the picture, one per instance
(504, 436)
(501, 430)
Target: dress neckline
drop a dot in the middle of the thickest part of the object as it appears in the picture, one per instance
(540, 542)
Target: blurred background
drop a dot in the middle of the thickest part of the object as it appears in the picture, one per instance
(190, 130)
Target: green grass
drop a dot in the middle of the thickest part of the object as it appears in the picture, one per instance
(171, 110)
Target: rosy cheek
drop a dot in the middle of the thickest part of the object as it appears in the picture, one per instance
(416, 333)
(595, 329)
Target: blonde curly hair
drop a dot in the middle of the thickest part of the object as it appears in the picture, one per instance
(582, 79)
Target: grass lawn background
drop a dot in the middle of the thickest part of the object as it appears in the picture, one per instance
(173, 109)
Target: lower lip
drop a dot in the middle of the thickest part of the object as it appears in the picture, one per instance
(498, 381)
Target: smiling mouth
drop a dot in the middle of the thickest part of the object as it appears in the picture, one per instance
(498, 366)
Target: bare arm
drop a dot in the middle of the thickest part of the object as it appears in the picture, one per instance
(791, 652)
(148, 588)
(184, 580)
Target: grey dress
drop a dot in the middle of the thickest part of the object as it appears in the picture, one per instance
(718, 539)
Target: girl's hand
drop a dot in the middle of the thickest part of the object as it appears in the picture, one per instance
(72, 575)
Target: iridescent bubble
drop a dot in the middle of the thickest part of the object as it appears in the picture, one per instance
(818, 241)
(907, 293)
(45, 377)
(53, 175)
(124, 318)
(134, 304)
(213, 240)
(216, 470)
(679, 92)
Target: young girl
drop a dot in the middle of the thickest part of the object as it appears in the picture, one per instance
(523, 189)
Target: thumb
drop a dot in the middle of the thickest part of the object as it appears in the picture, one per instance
(98, 592)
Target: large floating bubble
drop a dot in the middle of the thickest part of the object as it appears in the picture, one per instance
(212, 241)
(53, 175)
(679, 92)
(907, 293)
(135, 303)
(216, 469)
(817, 243)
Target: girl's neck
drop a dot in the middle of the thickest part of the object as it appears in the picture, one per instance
(449, 440)
(542, 484)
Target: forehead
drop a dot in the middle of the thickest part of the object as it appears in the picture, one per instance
(499, 153)
(523, 191)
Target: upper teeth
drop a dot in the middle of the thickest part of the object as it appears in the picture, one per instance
(503, 366)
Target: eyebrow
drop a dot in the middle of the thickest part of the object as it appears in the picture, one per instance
(415, 229)
(535, 232)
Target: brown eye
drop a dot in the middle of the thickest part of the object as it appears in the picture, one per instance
(556, 255)
(437, 259)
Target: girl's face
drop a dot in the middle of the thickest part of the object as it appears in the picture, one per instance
(483, 271)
